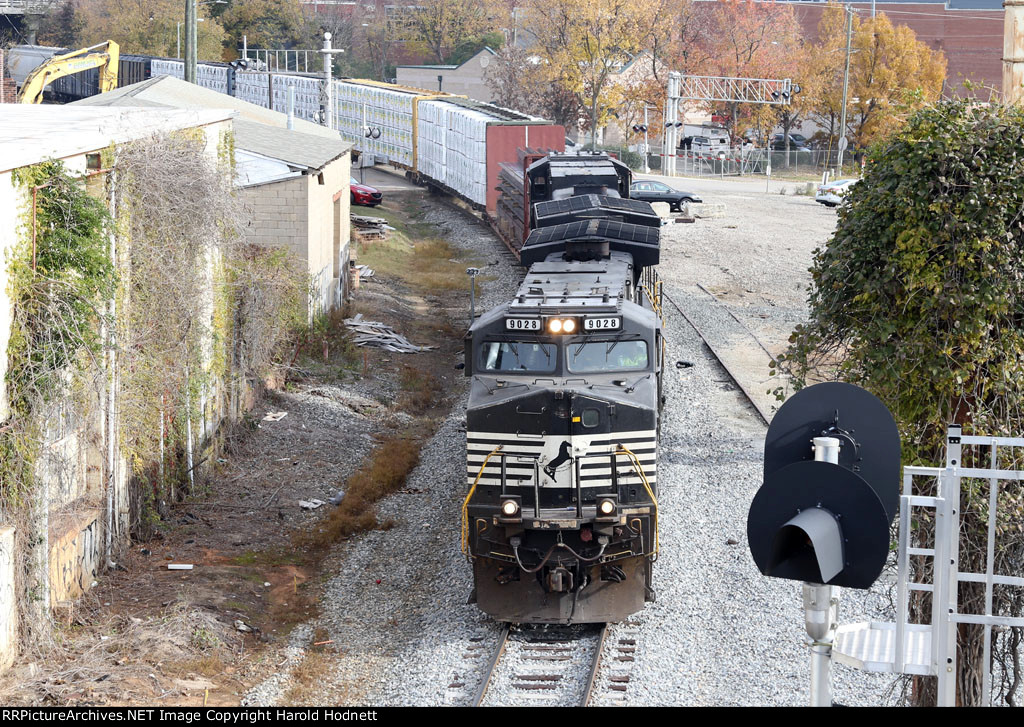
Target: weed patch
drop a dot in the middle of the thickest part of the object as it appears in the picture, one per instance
(306, 675)
(382, 473)
(420, 390)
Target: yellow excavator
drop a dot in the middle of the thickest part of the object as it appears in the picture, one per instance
(104, 56)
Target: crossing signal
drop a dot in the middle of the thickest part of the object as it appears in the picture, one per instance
(830, 491)
(640, 128)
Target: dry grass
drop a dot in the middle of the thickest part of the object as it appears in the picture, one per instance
(120, 650)
(307, 675)
(382, 473)
(420, 390)
(210, 665)
(427, 264)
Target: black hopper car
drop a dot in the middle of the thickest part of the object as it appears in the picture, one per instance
(560, 521)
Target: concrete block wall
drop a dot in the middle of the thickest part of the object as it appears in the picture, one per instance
(311, 220)
(278, 215)
(329, 228)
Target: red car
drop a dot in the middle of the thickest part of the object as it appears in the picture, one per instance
(362, 194)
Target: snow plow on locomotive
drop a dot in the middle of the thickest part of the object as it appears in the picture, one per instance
(561, 517)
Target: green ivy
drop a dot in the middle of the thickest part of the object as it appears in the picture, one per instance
(916, 297)
(55, 291)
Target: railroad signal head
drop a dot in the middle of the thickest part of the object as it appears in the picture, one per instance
(831, 488)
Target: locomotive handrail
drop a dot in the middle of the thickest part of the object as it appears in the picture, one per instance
(465, 504)
(647, 486)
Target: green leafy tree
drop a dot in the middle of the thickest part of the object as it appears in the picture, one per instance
(470, 47)
(917, 297)
(440, 26)
(61, 26)
(275, 24)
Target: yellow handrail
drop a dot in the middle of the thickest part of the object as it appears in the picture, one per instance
(465, 504)
(647, 486)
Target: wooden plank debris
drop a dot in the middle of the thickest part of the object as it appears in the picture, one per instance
(381, 335)
(364, 221)
(370, 228)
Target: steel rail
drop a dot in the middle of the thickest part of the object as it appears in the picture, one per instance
(707, 342)
(495, 658)
(593, 667)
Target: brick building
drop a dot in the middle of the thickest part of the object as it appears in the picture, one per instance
(968, 32)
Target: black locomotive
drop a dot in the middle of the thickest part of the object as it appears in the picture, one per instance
(561, 518)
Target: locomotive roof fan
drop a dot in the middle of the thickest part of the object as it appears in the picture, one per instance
(831, 488)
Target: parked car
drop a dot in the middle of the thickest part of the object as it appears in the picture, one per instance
(779, 143)
(364, 194)
(832, 194)
(651, 191)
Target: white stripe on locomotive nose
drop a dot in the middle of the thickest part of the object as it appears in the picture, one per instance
(510, 443)
(585, 485)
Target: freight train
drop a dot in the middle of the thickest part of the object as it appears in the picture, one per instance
(451, 143)
(560, 521)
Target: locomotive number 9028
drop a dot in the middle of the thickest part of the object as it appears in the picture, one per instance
(601, 324)
(522, 324)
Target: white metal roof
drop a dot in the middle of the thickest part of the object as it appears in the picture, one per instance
(175, 93)
(30, 134)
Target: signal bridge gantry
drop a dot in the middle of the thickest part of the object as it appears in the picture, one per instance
(711, 89)
(739, 90)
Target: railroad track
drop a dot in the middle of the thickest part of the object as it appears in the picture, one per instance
(546, 665)
(762, 411)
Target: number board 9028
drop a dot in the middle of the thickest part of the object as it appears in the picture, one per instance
(602, 324)
(522, 324)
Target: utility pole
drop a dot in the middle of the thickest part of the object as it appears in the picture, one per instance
(1013, 51)
(846, 85)
(191, 31)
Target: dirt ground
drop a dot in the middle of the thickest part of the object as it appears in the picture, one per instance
(148, 635)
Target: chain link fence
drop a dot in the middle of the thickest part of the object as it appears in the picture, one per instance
(739, 161)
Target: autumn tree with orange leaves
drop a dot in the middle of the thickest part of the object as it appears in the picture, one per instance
(747, 39)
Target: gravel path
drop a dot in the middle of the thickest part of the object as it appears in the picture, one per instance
(719, 632)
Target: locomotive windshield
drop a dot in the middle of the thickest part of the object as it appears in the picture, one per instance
(519, 356)
(603, 356)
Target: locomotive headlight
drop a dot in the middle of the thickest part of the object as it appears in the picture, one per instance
(606, 506)
(562, 325)
(511, 508)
